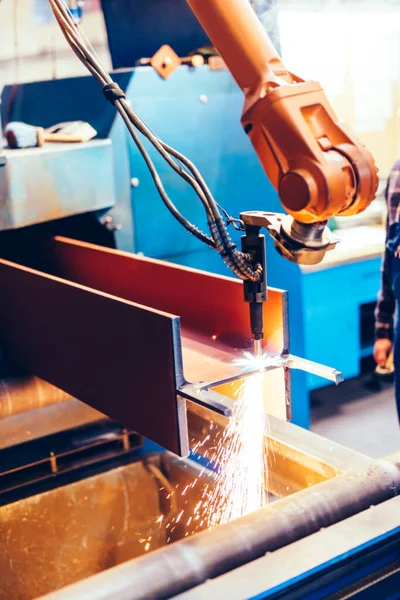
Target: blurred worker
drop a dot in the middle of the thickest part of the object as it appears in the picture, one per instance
(387, 317)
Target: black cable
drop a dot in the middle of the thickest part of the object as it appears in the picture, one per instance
(156, 142)
(241, 264)
(237, 261)
(157, 180)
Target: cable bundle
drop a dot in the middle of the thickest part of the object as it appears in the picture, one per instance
(219, 239)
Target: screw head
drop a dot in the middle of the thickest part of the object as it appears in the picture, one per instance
(135, 182)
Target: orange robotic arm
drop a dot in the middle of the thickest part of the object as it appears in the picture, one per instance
(317, 165)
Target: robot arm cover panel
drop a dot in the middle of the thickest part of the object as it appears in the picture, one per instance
(317, 165)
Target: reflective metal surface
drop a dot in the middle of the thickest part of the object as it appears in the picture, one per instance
(42, 422)
(210, 554)
(55, 181)
(55, 538)
(21, 394)
(318, 561)
(72, 532)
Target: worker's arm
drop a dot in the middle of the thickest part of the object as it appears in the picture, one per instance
(385, 308)
(384, 314)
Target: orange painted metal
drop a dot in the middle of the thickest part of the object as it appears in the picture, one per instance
(317, 164)
(214, 319)
(208, 305)
(96, 348)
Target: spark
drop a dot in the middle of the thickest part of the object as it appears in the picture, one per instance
(237, 456)
(249, 362)
(241, 459)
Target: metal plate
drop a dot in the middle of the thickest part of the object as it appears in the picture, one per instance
(211, 307)
(115, 355)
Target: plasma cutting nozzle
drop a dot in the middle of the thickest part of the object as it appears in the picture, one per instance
(255, 292)
(258, 349)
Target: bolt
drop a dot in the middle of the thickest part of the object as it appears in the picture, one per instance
(110, 225)
(167, 61)
(204, 99)
(135, 182)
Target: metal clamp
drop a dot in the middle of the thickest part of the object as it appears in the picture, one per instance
(301, 243)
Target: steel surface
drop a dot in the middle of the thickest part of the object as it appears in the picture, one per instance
(102, 523)
(102, 328)
(214, 318)
(55, 181)
(112, 313)
(211, 553)
(45, 421)
(209, 305)
(318, 558)
(22, 394)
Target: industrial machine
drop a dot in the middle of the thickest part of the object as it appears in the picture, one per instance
(318, 166)
(104, 351)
